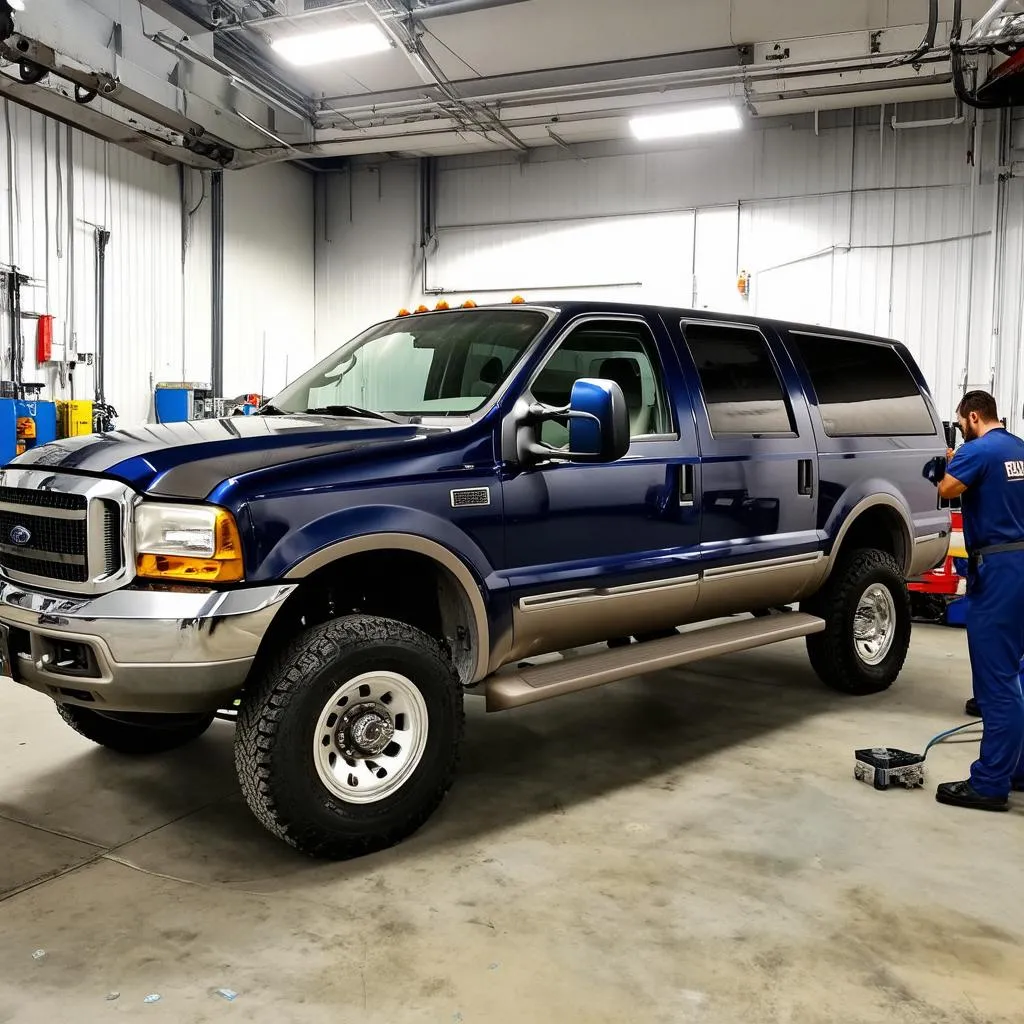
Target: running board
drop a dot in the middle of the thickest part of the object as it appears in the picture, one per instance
(512, 688)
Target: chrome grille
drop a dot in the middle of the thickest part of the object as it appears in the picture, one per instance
(43, 499)
(64, 532)
(56, 548)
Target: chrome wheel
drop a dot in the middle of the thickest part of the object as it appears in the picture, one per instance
(370, 737)
(874, 624)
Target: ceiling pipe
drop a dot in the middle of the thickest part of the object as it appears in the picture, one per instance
(373, 107)
(446, 8)
(438, 10)
(181, 49)
(929, 37)
(504, 90)
(481, 119)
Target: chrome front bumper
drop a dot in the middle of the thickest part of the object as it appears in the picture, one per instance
(136, 650)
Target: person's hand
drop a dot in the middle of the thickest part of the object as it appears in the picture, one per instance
(949, 454)
(934, 470)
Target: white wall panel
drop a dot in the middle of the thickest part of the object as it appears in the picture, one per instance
(62, 186)
(137, 201)
(866, 229)
(620, 257)
(368, 257)
(1009, 358)
(268, 277)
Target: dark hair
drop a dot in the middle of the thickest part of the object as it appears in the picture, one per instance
(980, 402)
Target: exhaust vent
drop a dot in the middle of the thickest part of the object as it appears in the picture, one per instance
(471, 497)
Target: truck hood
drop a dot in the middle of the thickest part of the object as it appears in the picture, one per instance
(189, 459)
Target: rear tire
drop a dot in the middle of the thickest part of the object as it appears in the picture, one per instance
(136, 734)
(866, 609)
(348, 741)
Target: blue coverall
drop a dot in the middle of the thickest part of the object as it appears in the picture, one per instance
(992, 469)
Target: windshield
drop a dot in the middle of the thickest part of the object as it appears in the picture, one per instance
(443, 364)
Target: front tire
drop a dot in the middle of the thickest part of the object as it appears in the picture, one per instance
(136, 734)
(866, 609)
(349, 740)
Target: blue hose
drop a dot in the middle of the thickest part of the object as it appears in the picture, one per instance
(949, 732)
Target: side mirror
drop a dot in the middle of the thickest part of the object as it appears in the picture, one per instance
(598, 425)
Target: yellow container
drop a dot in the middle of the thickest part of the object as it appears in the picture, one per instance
(74, 418)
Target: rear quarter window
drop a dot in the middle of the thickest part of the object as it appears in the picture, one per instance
(862, 388)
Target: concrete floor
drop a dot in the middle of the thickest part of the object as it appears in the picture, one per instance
(689, 846)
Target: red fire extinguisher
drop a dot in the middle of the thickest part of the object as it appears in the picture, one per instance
(44, 339)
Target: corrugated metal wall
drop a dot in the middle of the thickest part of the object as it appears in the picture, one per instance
(63, 186)
(268, 278)
(367, 256)
(857, 226)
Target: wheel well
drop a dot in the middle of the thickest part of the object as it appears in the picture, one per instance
(880, 527)
(402, 585)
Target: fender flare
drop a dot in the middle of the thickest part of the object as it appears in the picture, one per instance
(883, 499)
(442, 556)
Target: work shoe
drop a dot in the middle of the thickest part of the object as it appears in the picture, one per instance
(963, 794)
(971, 709)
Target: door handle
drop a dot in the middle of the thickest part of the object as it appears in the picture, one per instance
(686, 496)
(805, 477)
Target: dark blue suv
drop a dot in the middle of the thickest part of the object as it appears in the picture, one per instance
(446, 499)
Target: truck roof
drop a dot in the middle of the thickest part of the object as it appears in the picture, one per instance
(577, 307)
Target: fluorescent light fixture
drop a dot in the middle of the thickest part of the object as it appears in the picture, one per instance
(16, 5)
(332, 44)
(681, 123)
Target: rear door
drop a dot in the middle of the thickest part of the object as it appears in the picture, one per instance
(759, 542)
(876, 428)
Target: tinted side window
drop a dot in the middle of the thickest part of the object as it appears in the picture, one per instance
(742, 389)
(621, 351)
(863, 388)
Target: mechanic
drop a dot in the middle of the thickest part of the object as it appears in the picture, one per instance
(988, 470)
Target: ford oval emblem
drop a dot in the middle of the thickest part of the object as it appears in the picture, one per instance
(20, 535)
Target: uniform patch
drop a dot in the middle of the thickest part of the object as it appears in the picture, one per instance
(1014, 470)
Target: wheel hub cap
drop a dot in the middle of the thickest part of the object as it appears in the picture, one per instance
(874, 624)
(370, 737)
(366, 729)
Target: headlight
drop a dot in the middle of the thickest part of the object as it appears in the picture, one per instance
(187, 542)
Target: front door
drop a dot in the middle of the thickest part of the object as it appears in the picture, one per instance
(600, 550)
(759, 469)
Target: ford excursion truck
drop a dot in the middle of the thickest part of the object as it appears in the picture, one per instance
(446, 499)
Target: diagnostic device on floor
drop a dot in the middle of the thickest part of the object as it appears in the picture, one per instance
(883, 767)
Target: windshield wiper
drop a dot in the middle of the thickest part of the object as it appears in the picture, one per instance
(351, 410)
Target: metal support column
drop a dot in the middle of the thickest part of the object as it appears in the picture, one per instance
(217, 289)
(102, 239)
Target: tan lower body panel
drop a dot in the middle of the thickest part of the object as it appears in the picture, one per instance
(514, 688)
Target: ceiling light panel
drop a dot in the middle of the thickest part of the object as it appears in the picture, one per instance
(682, 123)
(335, 44)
